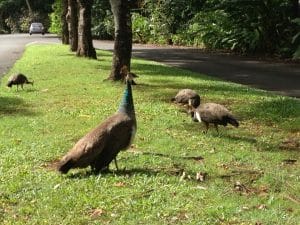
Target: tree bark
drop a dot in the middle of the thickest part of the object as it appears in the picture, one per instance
(64, 24)
(295, 8)
(72, 19)
(29, 7)
(123, 37)
(85, 41)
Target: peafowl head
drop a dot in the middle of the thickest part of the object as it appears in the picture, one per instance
(9, 84)
(126, 105)
(192, 106)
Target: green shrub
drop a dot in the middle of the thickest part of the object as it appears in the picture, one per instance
(140, 28)
(55, 18)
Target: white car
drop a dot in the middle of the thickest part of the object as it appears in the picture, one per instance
(36, 28)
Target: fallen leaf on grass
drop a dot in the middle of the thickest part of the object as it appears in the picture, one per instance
(201, 176)
(182, 176)
(56, 186)
(120, 184)
(96, 213)
(238, 186)
(262, 207)
(185, 176)
(293, 199)
(201, 187)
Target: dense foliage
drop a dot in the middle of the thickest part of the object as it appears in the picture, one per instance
(56, 26)
(252, 26)
(15, 15)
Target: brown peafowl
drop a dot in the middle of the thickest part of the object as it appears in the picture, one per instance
(186, 95)
(215, 114)
(18, 79)
(102, 144)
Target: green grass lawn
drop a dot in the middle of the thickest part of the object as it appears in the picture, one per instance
(252, 172)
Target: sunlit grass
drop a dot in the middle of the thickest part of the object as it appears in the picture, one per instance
(251, 176)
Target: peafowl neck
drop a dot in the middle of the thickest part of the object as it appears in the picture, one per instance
(126, 105)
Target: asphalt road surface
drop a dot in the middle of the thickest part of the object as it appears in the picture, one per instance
(279, 77)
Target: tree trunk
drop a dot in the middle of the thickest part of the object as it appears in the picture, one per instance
(29, 7)
(295, 8)
(85, 41)
(64, 24)
(123, 37)
(72, 18)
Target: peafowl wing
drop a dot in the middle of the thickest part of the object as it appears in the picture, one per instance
(120, 136)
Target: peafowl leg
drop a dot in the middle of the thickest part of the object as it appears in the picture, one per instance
(116, 164)
(206, 127)
(216, 127)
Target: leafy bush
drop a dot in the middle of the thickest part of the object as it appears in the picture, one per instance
(55, 18)
(243, 26)
(102, 20)
(296, 40)
(140, 28)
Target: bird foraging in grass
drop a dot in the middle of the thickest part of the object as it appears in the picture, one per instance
(18, 79)
(185, 95)
(212, 113)
(101, 145)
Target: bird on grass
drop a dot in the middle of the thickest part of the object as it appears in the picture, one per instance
(100, 146)
(185, 95)
(18, 79)
(212, 113)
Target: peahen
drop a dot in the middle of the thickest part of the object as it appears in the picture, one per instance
(213, 113)
(101, 145)
(185, 95)
(18, 79)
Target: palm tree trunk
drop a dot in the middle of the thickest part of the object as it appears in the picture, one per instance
(29, 7)
(123, 37)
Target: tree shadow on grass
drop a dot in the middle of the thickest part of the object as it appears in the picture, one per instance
(11, 106)
(275, 110)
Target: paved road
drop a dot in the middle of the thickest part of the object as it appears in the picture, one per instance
(12, 47)
(278, 77)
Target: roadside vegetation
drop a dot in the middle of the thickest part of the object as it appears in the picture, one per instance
(248, 175)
